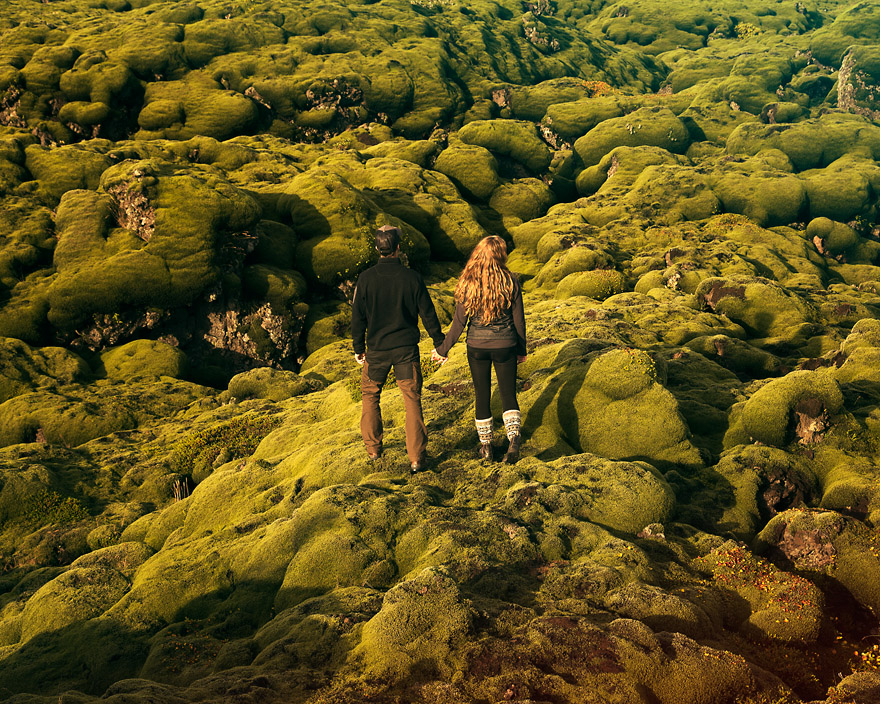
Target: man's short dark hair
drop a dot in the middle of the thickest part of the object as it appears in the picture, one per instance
(387, 239)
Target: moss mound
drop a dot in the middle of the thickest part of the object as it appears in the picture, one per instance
(143, 358)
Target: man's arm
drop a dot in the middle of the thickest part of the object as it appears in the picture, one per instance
(358, 321)
(429, 315)
(519, 323)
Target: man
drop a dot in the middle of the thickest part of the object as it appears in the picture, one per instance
(388, 301)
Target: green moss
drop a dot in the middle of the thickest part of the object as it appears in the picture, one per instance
(24, 368)
(341, 222)
(511, 138)
(268, 383)
(471, 167)
(174, 219)
(767, 415)
(782, 606)
(768, 199)
(574, 260)
(598, 284)
(761, 306)
(422, 624)
(652, 126)
(49, 506)
(79, 594)
(521, 200)
(143, 358)
(65, 169)
(809, 144)
(825, 543)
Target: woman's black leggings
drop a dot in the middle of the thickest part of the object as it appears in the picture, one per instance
(481, 362)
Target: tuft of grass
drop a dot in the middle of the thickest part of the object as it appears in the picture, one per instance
(49, 506)
(239, 437)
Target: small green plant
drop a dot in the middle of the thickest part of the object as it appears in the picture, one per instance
(746, 30)
(239, 437)
(49, 506)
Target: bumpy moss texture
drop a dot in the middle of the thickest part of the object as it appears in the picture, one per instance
(188, 193)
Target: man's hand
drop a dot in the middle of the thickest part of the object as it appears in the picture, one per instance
(360, 358)
(520, 358)
(435, 357)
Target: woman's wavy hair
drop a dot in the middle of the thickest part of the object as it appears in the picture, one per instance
(485, 287)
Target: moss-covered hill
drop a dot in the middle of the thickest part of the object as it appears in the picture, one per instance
(188, 191)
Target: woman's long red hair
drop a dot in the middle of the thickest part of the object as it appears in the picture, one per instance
(486, 285)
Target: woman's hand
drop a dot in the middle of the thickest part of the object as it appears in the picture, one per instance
(520, 358)
(435, 357)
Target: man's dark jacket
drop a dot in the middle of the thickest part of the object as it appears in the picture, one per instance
(388, 301)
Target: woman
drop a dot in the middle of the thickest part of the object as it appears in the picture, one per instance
(489, 299)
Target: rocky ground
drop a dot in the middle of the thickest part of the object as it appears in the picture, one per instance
(188, 191)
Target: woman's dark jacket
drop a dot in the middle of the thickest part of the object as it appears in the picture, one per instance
(507, 330)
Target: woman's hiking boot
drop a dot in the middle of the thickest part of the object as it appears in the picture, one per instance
(512, 423)
(484, 431)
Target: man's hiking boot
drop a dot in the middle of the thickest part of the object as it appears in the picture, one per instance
(374, 454)
(418, 465)
(486, 451)
(512, 454)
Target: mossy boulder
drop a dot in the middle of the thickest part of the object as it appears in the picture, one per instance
(24, 368)
(194, 105)
(810, 144)
(767, 198)
(854, 25)
(621, 166)
(826, 543)
(521, 200)
(574, 119)
(578, 259)
(425, 199)
(616, 409)
(337, 223)
(162, 256)
(423, 623)
(832, 237)
(623, 496)
(767, 416)
(665, 193)
(844, 189)
(268, 383)
(598, 284)
(58, 171)
(760, 305)
(143, 358)
(651, 126)
(764, 481)
(515, 139)
(471, 167)
(76, 595)
(781, 606)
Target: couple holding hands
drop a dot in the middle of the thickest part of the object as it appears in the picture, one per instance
(388, 301)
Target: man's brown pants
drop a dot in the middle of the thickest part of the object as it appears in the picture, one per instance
(408, 372)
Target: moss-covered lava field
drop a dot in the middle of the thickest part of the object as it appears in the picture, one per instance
(188, 191)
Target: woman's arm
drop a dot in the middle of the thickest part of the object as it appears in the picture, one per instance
(459, 320)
